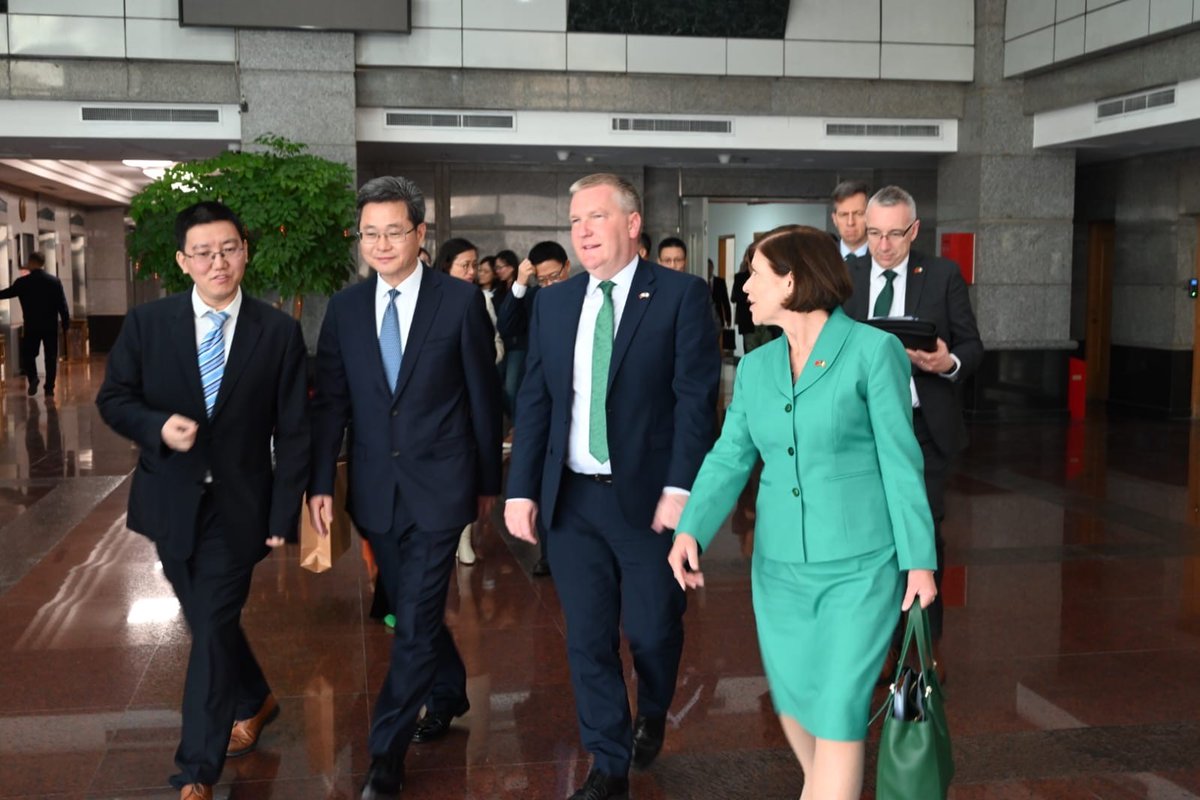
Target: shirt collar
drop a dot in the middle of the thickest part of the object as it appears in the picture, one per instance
(623, 278)
(200, 308)
(859, 251)
(900, 269)
(410, 284)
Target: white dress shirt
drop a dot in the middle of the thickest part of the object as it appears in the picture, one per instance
(578, 458)
(406, 303)
(861, 251)
(204, 326)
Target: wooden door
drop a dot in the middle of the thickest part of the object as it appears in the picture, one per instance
(1101, 238)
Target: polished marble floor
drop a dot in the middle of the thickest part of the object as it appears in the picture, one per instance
(1072, 638)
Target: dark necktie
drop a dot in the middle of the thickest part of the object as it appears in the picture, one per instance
(883, 303)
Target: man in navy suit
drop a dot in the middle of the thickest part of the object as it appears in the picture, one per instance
(407, 360)
(614, 418)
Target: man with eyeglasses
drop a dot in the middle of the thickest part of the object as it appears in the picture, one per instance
(850, 217)
(406, 359)
(894, 280)
(211, 385)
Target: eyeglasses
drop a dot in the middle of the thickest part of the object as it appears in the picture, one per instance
(892, 236)
(551, 277)
(206, 258)
(392, 236)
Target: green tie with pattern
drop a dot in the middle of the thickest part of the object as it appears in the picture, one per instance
(602, 343)
(883, 303)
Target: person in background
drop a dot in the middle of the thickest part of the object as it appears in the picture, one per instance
(849, 200)
(643, 247)
(424, 257)
(515, 334)
(43, 304)
(752, 335)
(458, 259)
(843, 534)
(672, 254)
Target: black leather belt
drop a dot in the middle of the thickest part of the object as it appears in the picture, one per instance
(600, 478)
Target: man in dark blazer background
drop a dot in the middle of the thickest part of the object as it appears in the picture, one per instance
(891, 281)
(614, 417)
(406, 359)
(43, 304)
(210, 384)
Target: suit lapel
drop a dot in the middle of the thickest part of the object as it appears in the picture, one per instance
(245, 338)
(860, 275)
(825, 351)
(641, 294)
(183, 335)
(914, 283)
(566, 332)
(429, 297)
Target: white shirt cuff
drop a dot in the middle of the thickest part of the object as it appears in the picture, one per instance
(676, 490)
(952, 374)
(519, 290)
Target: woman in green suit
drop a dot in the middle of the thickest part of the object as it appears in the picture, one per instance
(841, 512)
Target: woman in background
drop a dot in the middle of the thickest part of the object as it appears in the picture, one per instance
(843, 533)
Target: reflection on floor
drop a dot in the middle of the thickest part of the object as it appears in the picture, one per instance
(1072, 640)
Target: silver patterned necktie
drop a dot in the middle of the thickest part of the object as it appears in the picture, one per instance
(389, 341)
(212, 359)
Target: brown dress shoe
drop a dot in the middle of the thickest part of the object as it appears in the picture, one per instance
(196, 791)
(244, 736)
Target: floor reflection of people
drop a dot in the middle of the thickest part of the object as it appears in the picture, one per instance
(45, 451)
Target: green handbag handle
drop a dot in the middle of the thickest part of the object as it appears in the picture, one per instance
(916, 628)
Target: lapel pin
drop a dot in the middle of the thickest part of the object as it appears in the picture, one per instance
(819, 363)
(918, 270)
(644, 296)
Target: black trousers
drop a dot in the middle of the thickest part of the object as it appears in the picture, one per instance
(426, 670)
(937, 469)
(31, 340)
(224, 681)
(608, 576)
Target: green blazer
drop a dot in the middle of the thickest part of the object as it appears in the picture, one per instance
(843, 472)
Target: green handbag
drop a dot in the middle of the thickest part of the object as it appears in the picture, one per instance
(915, 762)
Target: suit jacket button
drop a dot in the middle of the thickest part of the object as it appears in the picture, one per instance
(795, 492)
(395, 453)
(788, 408)
(395, 413)
(791, 451)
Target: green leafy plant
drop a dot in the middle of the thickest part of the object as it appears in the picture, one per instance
(298, 209)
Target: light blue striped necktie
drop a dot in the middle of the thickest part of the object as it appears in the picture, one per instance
(389, 341)
(212, 358)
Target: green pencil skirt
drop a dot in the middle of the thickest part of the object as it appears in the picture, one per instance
(824, 629)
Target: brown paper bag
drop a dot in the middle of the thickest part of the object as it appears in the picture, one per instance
(317, 552)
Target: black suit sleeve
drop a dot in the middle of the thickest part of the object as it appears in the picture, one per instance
(292, 438)
(63, 310)
(121, 401)
(512, 315)
(330, 406)
(12, 291)
(483, 393)
(533, 419)
(697, 373)
(964, 341)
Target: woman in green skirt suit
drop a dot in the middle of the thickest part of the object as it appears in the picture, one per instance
(841, 513)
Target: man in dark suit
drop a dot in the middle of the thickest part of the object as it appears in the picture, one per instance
(849, 200)
(407, 359)
(614, 418)
(43, 303)
(892, 281)
(211, 386)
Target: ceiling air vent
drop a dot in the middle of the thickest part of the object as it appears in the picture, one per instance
(1142, 101)
(892, 131)
(671, 125)
(440, 119)
(115, 114)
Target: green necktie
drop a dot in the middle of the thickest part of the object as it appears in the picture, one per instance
(883, 303)
(602, 343)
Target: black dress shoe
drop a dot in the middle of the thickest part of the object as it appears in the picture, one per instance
(599, 786)
(648, 734)
(33, 384)
(385, 779)
(434, 725)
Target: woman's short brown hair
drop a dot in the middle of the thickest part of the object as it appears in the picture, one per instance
(819, 274)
